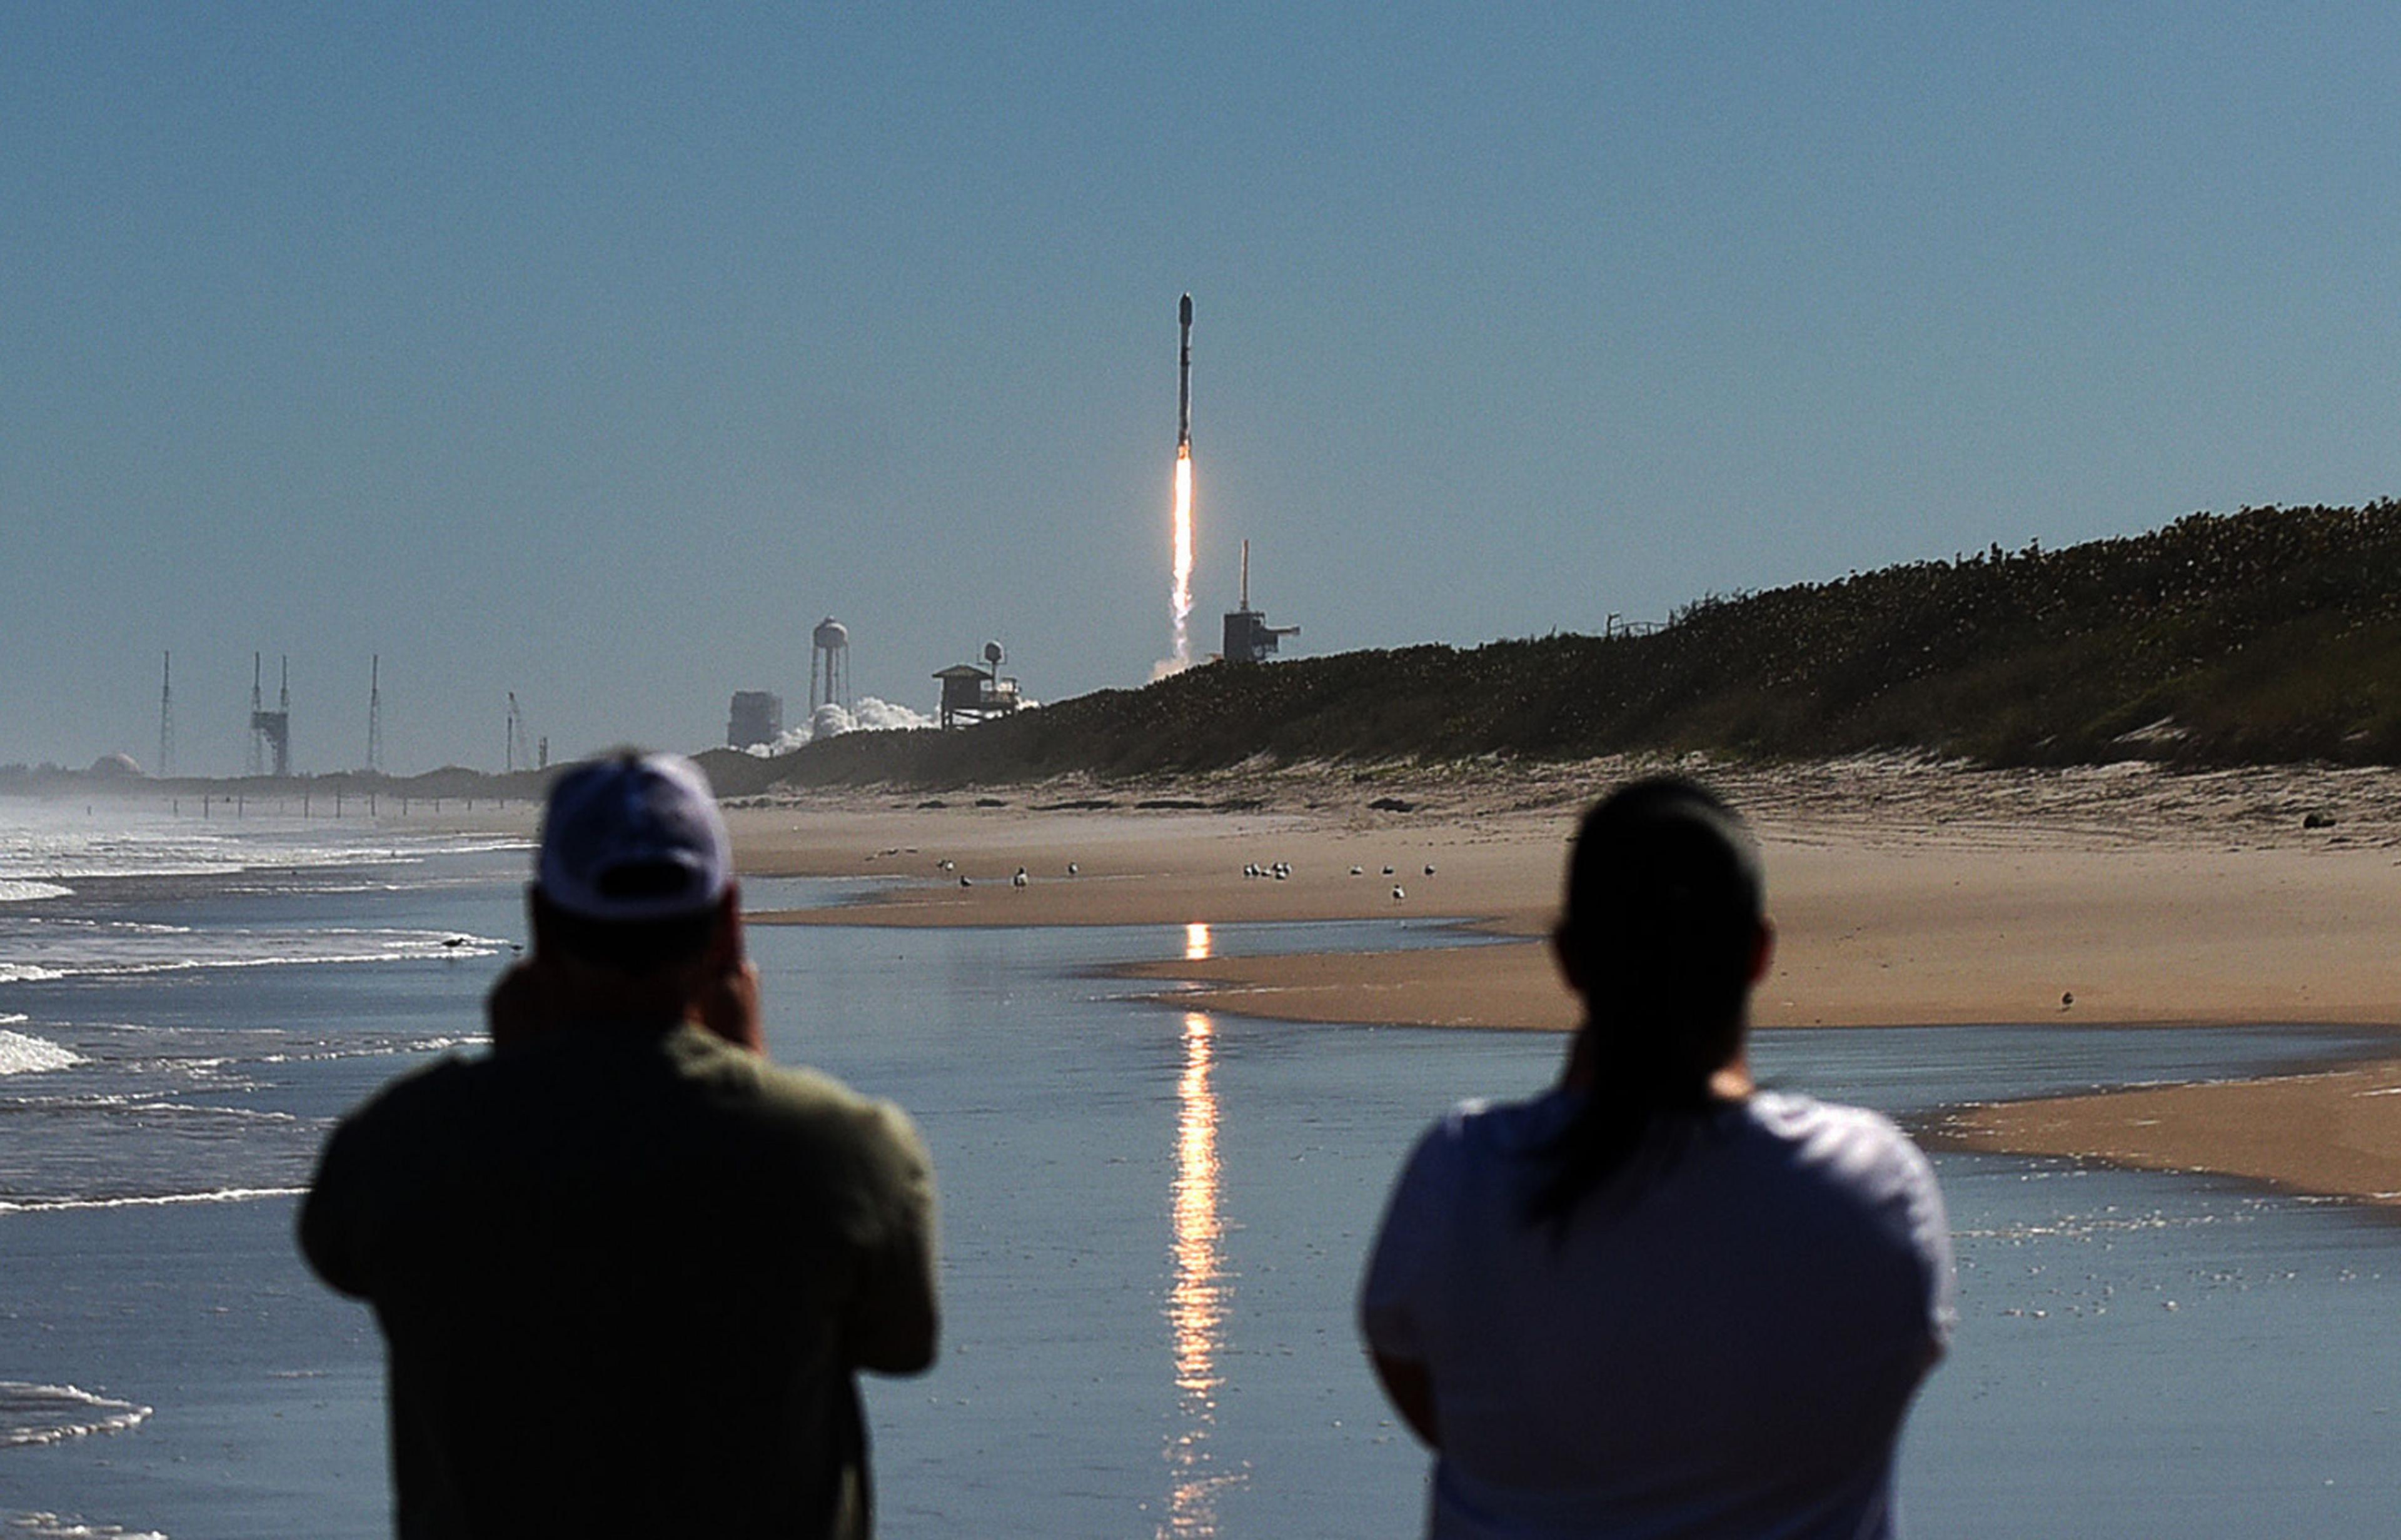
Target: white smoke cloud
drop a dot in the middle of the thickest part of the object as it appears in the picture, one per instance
(831, 720)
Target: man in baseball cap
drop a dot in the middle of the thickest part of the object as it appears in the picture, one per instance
(625, 1269)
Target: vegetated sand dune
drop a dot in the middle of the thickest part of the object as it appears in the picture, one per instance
(1905, 892)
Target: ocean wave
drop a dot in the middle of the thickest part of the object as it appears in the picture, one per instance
(46, 843)
(23, 1054)
(19, 890)
(42, 1525)
(146, 1200)
(51, 1414)
(122, 951)
(380, 1049)
(146, 1104)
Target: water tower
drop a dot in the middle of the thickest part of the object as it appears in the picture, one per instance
(828, 666)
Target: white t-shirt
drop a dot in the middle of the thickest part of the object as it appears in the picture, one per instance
(1723, 1341)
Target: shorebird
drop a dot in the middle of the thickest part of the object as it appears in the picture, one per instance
(967, 882)
(1073, 869)
(945, 865)
(1429, 869)
(1388, 871)
(1397, 894)
(456, 941)
(1358, 870)
(1019, 880)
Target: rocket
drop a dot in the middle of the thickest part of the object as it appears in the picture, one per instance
(1183, 382)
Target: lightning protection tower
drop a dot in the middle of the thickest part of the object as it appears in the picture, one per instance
(829, 666)
(167, 715)
(375, 714)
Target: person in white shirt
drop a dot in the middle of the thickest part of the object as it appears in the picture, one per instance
(1656, 1300)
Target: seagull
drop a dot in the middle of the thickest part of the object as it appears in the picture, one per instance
(1019, 880)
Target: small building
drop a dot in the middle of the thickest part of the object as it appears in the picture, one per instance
(971, 694)
(757, 717)
(1249, 638)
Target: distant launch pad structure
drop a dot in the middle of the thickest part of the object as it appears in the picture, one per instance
(270, 732)
(520, 748)
(756, 718)
(375, 714)
(1249, 638)
(167, 714)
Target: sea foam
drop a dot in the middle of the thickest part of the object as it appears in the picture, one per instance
(50, 1414)
(21, 1055)
(21, 890)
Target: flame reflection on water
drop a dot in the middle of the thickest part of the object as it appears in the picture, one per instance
(1196, 1301)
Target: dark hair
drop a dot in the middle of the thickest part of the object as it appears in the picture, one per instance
(628, 946)
(1663, 904)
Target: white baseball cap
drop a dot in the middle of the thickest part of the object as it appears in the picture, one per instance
(634, 837)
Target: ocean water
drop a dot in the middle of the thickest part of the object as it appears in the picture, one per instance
(1153, 1220)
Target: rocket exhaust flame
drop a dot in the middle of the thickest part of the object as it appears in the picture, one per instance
(1181, 597)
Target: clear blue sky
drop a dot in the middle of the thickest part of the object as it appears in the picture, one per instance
(595, 352)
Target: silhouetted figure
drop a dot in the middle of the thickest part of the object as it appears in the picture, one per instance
(1653, 1300)
(625, 1269)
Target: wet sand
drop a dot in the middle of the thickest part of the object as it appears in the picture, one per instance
(1905, 892)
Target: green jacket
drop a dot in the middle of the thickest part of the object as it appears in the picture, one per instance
(625, 1276)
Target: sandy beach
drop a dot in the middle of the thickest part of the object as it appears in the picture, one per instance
(1904, 892)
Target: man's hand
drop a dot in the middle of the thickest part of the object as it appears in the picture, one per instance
(728, 1002)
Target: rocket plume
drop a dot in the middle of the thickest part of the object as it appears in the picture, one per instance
(1181, 598)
